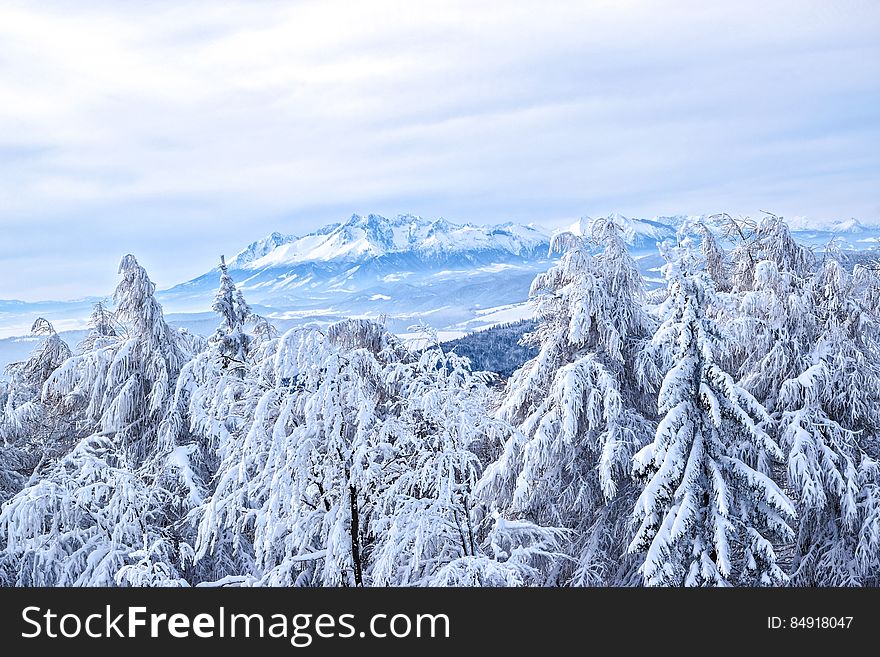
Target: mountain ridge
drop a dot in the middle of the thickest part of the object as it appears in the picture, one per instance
(405, 267)
(374, 235)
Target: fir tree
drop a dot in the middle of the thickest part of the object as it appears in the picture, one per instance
(234, 311)
(33, 433)
(578, 405)
(111, 497)
(708, 512)
(829, 427)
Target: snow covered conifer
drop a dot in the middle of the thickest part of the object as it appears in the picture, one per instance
(32, 432)
(124, 386)
(24, 411)
(580, 406)
(214, 399)
(708, 512)
(429, 525)
(107, 500)
(829, 427)
(229, 303)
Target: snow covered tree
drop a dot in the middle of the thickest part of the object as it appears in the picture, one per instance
(32, 432)
(676, 440)
(50, 353)
(340, 436)
(708, 512)
(234, 311)
(214, 399)
(866, 286)
(767, 239)
(717, 265)
(771, 333)
(806, 345)
(777, 245)
(102, 324)
(767, 318)
(829, 426)
(124, 386)
(87, 519)
(428, 525)
(110, 502)
(580, 406)
(297, 490)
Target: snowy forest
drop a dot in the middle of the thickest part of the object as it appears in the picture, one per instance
(720, 430)
(497, 349)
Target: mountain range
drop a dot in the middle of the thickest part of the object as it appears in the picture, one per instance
(405, 269)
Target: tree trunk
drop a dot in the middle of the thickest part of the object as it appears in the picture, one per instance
(355, 540)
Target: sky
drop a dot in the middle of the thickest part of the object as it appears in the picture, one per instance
(181, 130)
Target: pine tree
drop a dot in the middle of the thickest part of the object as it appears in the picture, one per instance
(110, 503)
(33, 433)
(579, 406)
(708, 512)
(829, 426)
(234, 311)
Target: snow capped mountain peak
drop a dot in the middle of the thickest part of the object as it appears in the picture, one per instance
(402, 262)
(372, 236)
(439, 225)
(260, 248)
(847, 226)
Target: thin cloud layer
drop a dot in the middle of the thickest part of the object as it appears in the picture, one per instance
(182, 130)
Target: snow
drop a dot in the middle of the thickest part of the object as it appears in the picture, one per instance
(488, 317)
(636, 232)
(300, 314)
(812, 224)
(648, 441)
(417, 340)
(375, 235)
(846, 226)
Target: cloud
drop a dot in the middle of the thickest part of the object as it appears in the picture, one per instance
(179, 130)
